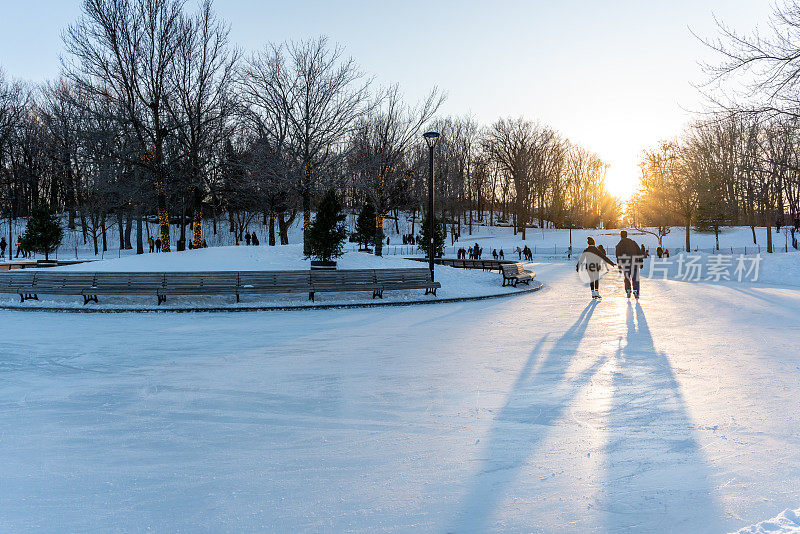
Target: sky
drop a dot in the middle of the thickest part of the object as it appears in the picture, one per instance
(613, 76)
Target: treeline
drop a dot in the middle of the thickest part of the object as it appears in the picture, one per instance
(739, 164)
(157, 115)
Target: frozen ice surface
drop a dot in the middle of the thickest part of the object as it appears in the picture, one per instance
(544, 412)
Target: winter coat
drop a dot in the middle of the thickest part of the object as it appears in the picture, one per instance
(629, 252)
(593, 259)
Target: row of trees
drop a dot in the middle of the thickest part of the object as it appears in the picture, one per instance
(158, 115)
(739, 164)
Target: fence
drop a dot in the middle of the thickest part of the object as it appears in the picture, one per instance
(557, 251)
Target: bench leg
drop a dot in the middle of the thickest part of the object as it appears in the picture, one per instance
(161, 299)
(311, 296)
(89, 298)
(28, 296)
(237, 298)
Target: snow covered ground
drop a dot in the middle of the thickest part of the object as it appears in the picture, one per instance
(545, 242)
(541, 413)
(787, 522)
(456, 283)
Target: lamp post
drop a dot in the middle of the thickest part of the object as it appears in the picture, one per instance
(430, 139)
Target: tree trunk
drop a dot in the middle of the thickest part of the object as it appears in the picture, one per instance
(103, 231)
(306, 205)
(139, 236)
(182, 238)
(272, 228)
(128, 228)
(163, 219)
(197, 218)
(121, 230)
(379, 234)
(688, 238)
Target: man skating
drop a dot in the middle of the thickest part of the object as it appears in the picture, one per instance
(630, 261)
(592, 260)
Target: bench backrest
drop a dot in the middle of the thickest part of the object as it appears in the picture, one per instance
(276, 281)
(398, 276)
(510, 269)
(347, 277)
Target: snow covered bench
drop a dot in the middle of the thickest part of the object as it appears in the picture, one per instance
(514, 273)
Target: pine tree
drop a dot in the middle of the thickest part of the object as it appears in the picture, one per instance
(43, 233)
(439, 236)
(327, 233)
(365, 225)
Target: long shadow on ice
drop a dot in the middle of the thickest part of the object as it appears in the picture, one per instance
(658, 479)
(540, 396)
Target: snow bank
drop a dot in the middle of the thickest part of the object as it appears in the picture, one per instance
(456, 283)
(787, 522)
(241, 258)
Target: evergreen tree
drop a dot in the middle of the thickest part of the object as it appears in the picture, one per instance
(43, 233)
(327, 233)
(365, 225)
(439, 236)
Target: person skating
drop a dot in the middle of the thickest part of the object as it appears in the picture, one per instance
(158, 245)
(592, 260)
(630, 260)
(247, 238)
(3, 246)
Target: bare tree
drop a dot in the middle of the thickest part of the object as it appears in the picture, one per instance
(318, 94)
(125, 50)
(202, 103)
(378, 150)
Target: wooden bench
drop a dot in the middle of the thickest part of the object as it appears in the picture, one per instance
(269, 282)
(514, 273)
(392, 279)
(29, 284)
(350, 280)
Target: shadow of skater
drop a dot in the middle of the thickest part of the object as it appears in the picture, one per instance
(657, 477)
(540, 396)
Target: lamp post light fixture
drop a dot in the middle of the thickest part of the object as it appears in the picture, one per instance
(430, 139)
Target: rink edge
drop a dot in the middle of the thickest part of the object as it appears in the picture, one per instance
(53, 309)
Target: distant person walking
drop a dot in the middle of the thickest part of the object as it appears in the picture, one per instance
(151, 243)
(519, 252)
(3, 246)
(502, 256)
(591, 261)
(158, 245)
(247, 238)
(20, 250)
(254, 239)
(630, 259)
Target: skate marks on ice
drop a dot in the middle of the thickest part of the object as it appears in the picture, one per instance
(539, 397)
(657, 476)
(652, 474)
